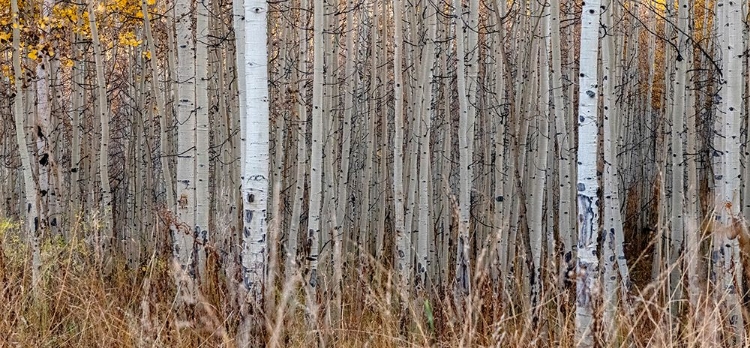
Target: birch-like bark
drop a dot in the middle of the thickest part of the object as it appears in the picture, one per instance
(500, 175)
(202, 195)
(566, 228)
(402, 239)
(77, 95)
(679, 99)
(447, 154)
(466, 97)
(238, 22)
(31, 210)
(588, 214)
(160, 109)
(183, 236)
(369, 148)
(538, 161)
(425, 198)
(611, 206)
(316, 165)
(727, 171)
(342, 198)
(299, 187)
(256, 170)
(44, 156)
(103, 109)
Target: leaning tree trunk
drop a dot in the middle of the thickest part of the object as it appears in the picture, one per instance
(588, 184)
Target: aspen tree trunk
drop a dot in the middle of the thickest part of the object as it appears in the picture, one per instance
(412, 113)
(659, 260)
(369, 138)
(202, 195)
(681, 70)
(383, 171)
(79, 70)
(160, 109)
(103, 108)
(611, 204)
(447, 152)
(588, 215)
(184, 237)
(402, 239)
(425, 224)
(342, 198)
(500, 176)
(31, 210)
(44, 157)
(566, 229)
(256, 169)
(330, 115)
(346, 131)
(299, 187)
(538, 173)
(466, 138)
(316, 165)
(727, 172)
(692, 208)
(238, 22)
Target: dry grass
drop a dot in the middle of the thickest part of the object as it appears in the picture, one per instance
(77, 306)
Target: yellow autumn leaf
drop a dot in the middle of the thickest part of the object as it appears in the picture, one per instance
(147, 55)
(33, 54)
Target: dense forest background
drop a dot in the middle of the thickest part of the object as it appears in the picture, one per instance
(374, 173)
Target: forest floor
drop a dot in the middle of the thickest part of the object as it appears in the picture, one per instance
(76, 305)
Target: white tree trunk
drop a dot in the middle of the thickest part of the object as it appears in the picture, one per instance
(466, 97)
(425, 168)
(299, 187)
(564, 139)
(202, 195)
(588, 213)
(726, 157)
(316, 164)
(31, 208)
(186, 128)
(538, 170)
(256, 170)
(402, 239)
(611, 204)
(681, 70)
(103, 109)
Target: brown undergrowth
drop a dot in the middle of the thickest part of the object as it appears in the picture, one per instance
(77, 306)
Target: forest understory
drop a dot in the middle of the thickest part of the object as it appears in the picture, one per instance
(79, 305)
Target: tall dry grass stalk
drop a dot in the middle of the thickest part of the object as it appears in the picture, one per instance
(135, 307)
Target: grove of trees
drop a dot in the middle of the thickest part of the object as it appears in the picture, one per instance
(467, 172)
